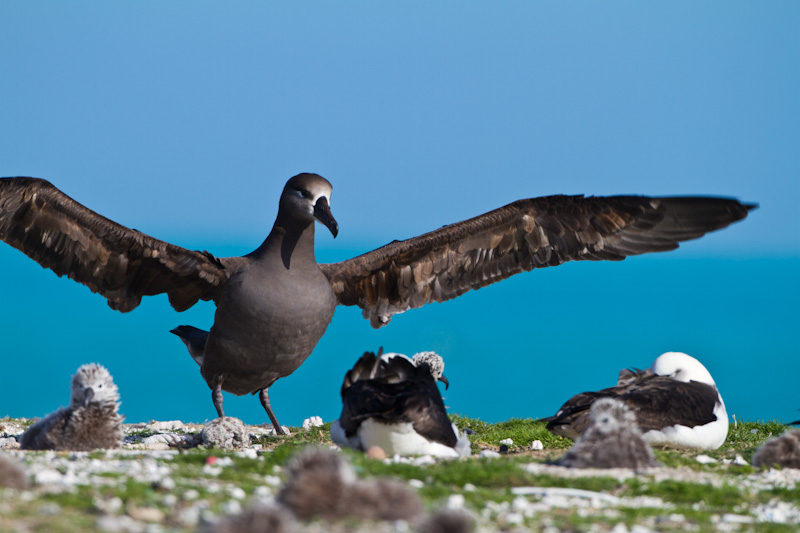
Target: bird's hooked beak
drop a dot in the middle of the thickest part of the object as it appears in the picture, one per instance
(88, 395)
(445, 381)
(322, 212)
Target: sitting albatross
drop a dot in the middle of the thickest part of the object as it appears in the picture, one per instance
(274, 304)
(676, 403)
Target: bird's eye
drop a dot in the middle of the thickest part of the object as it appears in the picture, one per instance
(305, 193)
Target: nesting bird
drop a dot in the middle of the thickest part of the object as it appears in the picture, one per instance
(91, 420)
(322, 484)
(676, 403)
(257, 519)
(447, 521)
(274, 304)
(392, 402)
(611, 440)
(783, 450)
(12, 475)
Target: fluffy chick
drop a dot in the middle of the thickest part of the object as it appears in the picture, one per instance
(447, 521)
(322, 484)
(612, 440)
(258, 519)
(783, 450)
(91, 420)
(11, 474)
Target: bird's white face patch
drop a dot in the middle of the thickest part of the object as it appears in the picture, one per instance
(301, 198)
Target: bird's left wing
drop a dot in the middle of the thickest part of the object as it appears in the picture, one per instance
(518, 237)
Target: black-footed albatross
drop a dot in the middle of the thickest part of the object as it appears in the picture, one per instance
(274, 304)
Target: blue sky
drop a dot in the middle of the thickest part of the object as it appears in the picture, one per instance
(184, 119)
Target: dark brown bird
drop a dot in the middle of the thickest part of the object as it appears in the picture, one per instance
(274, 304)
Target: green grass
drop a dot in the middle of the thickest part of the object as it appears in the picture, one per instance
(479, 480)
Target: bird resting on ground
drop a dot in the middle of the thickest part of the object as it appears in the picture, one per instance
(274, 304)
(675, 401)
(611, 440)
(90, 422)
(392, 402)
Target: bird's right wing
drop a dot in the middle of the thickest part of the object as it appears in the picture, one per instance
(120, 263)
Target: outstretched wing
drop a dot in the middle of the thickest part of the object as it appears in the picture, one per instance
(521, 236)
(121, 264)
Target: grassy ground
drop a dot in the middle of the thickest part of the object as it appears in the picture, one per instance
(687, 495)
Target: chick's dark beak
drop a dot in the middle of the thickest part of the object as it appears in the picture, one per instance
(88, 395)
(445, 381)
(322, 212)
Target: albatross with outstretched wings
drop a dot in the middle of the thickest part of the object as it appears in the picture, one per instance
(274, 304)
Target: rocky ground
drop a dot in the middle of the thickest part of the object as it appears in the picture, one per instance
(171, 476)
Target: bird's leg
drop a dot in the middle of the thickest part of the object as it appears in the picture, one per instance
(216, 394)
(263, 395)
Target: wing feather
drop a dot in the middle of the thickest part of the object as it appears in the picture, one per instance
(119, 263)
(519, 237)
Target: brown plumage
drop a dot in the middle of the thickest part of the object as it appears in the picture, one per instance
(124, 264)
(12, 475)
(521, 236)
(783, 450)
(322, 484)
(676, 403)
(90, 422)
(274, 304)
(447, 521)
(257, 519)
(612, 440)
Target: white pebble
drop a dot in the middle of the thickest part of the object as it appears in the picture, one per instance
(167, 484)
(249, 453)
(455, 501)
(491, 454)
(424, 460)
(190, 495)
(312, 422)
(514, 518)
(537, 445)
(9, 442)
(237, 493)
(262, 492)
(168, 425)
(704, 459)
(212, 470)
(273, 481)
(232, 507)
(619, 528)
(416, 483)
(469, 487)
(507, 442)
(47, 476)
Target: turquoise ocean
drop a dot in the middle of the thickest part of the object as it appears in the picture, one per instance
(518, 348)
